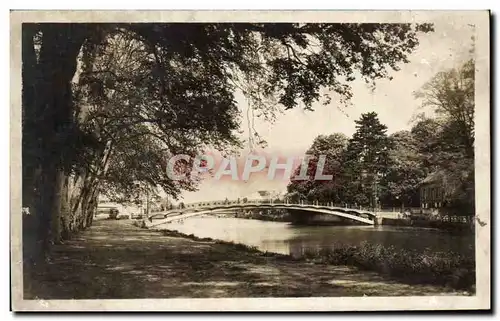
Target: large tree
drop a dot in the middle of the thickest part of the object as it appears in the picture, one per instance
(450, 94)
(182, 67)
(450, 150)
(332, 148)
(118, 87)
(366, 160)
(405, 173)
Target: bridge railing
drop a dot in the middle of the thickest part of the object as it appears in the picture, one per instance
(275, 201)
(221, 204)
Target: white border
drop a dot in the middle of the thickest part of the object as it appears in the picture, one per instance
(481, 300)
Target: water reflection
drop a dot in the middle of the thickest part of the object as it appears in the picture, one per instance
(285, 238)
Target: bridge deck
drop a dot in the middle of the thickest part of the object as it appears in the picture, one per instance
(352, 214)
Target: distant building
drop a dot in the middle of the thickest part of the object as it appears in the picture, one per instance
(432, 192)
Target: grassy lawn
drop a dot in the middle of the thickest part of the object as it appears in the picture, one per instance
(115, 259)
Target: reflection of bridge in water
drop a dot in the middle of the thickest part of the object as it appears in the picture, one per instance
(359, 215)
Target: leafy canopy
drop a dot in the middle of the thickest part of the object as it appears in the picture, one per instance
(146, 91)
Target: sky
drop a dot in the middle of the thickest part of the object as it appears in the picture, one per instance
(293, 132)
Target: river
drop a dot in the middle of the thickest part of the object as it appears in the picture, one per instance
(284, 238)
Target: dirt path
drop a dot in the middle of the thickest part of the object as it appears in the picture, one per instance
(115, 259)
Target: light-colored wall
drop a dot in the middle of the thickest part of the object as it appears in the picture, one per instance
(387, 214)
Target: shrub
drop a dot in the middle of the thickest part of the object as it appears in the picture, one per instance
(440, 268)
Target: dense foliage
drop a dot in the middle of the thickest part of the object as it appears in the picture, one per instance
(376, 169)
(366, 160)
(104, 104)
(333, 147)
(443, 268)
(357, 166)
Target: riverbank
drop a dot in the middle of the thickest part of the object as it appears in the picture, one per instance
(116, 260)
(452, 227)
(443, 268)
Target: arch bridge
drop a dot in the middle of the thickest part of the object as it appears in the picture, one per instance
(360, 215)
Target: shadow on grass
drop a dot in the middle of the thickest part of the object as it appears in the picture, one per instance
(115, 260)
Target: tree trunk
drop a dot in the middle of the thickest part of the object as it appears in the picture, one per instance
(51, 115)
(78, 204)
(29, 148)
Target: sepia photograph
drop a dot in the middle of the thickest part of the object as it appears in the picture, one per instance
(319, 161)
